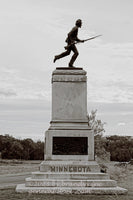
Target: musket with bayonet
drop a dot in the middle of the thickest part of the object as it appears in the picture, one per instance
(76, 42)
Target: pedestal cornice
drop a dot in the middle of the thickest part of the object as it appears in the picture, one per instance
(69, 71)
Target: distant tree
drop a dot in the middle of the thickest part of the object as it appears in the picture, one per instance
(96, 124)
(39, 153)
(120, 148)
(6, 143)
(16, 150)
(98, 127)
(29, 148)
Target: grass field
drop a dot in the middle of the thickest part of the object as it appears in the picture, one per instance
(11, 195)
(15, 166)
(123, 174)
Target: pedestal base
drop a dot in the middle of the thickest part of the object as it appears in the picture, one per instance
(71, 190)
(71, 177)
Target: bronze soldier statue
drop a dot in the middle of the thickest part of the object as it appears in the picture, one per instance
(71, 39)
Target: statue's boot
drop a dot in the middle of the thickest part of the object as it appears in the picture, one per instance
(70, 65)
(55, 58)
(66, 53)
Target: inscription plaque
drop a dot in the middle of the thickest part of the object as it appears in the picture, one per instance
(70, 146)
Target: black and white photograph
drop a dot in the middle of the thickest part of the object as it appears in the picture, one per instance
(66, 99)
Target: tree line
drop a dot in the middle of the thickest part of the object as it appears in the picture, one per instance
(119, 147)
(26, 149)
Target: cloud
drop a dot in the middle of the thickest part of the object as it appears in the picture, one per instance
(109, 76)
(24, 83)
(121, 124)
(4, 93)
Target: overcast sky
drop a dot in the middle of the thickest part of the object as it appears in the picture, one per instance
(33, 31)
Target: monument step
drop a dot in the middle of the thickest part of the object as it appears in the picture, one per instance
(21, 188)
(69, 183)
(76, 175)
(69, 166)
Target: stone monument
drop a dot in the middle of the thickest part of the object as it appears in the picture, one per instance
(69, 166)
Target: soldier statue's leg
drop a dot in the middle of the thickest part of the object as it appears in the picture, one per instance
(66, 53)
(76, 53)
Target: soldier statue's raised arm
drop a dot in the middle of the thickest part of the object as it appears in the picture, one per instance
(71, 39)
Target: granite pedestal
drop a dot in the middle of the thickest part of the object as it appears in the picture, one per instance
(69, 166)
